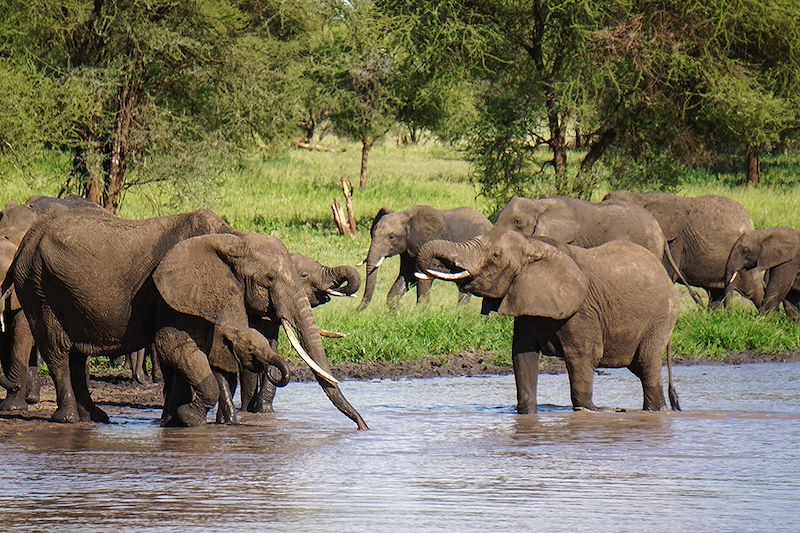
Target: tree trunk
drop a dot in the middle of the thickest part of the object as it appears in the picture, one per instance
(753, 166)
(128, 100)
(365, 147)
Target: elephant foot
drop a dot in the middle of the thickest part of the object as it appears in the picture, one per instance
(189, 416)
(93, 414)
(261, 407)
(65, 415)
(229, 419)
(14, 401)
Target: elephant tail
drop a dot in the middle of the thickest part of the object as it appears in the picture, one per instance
(673, 394)
(692, 293)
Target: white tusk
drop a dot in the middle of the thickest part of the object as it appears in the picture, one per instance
(734, 276)
(331, 334)
(335, 293)
(380, 262)
(362, 262)
(307, 358)
(450, 277)
(420, 275)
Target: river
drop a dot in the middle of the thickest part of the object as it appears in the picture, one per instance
(446, 454)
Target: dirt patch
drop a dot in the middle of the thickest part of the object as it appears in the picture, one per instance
(117, 392)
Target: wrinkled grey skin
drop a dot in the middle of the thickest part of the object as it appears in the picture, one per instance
(403, 233)
(586, 224)
(320, 283)
(610, 306)
(774, 251)
(188, 283)
(19, 374)
(701, 232)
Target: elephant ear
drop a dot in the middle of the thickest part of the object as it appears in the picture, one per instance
(559, 223)
(778, 246)
(425, 225)
(670, 218)
(550, 285)
(382, 212)
(195, 278)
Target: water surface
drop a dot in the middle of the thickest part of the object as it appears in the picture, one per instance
(445, 454)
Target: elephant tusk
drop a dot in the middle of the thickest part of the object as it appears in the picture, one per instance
(380, 262)
(421, 275)
(335, 293)
(304, 355)
(331, 334)
(450, 277)
(734, 276)
(362, 262)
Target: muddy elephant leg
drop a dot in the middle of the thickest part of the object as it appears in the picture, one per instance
(22, 354)
(249, 389)
(525, 357)
(55, 353)
(226, 412)
(179, 350)
(266, 395)
(176, 393)
(136, 361)
(79, 375)
(33, 394)
(781, 279)
(155, 366)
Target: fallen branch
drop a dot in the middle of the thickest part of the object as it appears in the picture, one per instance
(318, 147)
(345, 218)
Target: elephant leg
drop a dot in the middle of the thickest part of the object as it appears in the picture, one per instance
(716, 298)
(791, 304)
(176, 393)
(424, 291)
(249, 389)
(266, 395)
(136, 360)
(397, 290)
(155, 366)
(781, 279)
(33, 394)
(21, 353)
(191, 364)
(463, 298)
(581, 375)
(647, 367)
(226, 412)
(525, 357)
(55, 352)
(79, 375)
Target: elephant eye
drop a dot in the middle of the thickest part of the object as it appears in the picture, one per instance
(496, 254)
(304, 274)
(517, 222)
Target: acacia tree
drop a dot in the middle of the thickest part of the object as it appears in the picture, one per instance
(149, 85)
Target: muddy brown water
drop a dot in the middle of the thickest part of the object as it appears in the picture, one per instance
(444, 454)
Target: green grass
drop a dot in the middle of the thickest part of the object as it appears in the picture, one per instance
(289, 196)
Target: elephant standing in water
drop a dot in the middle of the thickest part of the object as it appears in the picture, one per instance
(776, 251)
(588, 224)
(404, 233)
(610, 306)
(320, 283)
(701, 232)
(189, 283)
(19, 374)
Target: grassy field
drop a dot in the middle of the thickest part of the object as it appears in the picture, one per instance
(290, 196)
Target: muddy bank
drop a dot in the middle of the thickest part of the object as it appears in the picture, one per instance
(117, 392)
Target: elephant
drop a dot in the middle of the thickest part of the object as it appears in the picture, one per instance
(20, 375)
(404, 233)
(701, 232)
(185, 283)
(320, 283)
(136, 362)
(610, 306)
(776, 251)
(587, 224)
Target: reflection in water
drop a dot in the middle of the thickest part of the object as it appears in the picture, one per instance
(443, 455)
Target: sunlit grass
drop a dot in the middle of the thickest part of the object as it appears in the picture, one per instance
(290, 195)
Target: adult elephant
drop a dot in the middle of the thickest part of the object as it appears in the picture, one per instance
(609, 306)
(320, 283)
(701, 232)
(19, 375)
(776, 251)
(587, 224)
(404, 233)
(180, 282)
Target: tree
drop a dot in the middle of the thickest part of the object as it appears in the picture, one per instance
(150, 86)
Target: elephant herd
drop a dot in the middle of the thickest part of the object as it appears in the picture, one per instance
(591, 283)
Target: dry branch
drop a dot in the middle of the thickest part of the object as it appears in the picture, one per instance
(345, 218)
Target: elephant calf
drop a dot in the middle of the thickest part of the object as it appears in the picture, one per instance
(611, 306)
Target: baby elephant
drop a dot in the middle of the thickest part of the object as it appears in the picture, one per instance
(611, 306)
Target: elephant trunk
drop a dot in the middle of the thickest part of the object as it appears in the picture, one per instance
(273, 360)
(374, 261)
(311, 342)
(343, 279)
(448, 258)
